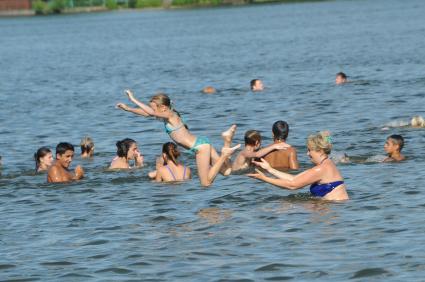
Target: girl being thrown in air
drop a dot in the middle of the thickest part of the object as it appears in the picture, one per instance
(168, 169)
(208, 161)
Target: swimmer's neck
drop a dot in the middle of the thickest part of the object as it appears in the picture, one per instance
(396, 156)
(279, 141)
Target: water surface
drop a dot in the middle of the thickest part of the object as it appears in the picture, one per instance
(61, 77)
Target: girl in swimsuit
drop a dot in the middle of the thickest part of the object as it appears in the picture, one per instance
(325, 178)
(127, 150)
(168, 168)
(208, 161)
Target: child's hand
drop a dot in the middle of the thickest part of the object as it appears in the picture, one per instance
(130, 94)
(122, 106)
(138, 158)
(263, 164)
(281, 146)
(79, 172)
(229, 151)
(257, 175)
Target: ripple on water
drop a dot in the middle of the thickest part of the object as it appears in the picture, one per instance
(77, 276)
(368, 272)
(275, 266)
(117, 270)
(279, 278)
(96, 242)
(57, 263)
(6, 266)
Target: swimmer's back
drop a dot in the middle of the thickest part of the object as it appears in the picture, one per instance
(283, 159)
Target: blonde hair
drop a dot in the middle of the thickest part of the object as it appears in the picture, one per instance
(417, 121)
(86, 144)
(320, 142)
(161, 99)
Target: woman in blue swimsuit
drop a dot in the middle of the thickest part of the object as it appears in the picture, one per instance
(208, 161)
(325, 178)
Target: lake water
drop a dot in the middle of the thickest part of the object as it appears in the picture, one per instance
(61, 76)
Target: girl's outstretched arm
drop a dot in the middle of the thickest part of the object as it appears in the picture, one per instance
(136, 111)
(148, 110)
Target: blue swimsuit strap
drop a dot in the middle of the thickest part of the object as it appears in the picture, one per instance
(184, 173)
(169, 129)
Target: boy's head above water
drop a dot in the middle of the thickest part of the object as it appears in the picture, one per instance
(256, 85)
(280, 130)
(64, 154)
(253, 138)
(394, 144)
(340, 78)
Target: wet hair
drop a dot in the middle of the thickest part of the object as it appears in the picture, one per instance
(280, 130)
(320, 142)
(86, 145)
(123, 146)
(397, 140)
(41, 153)
(62, 147)
(417, 121)
(162, 99)
(171, 151)
(252, 83)
(341, 74)
(252, 137)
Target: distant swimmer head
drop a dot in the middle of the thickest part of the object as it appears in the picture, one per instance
(394, 143)
(170, 152)
(209, 90)
(319, 146)
(280, 130)
(340, 78)
(127, 148)
(43, 159)
(87, 147)
(253, 138)
(256, 85)
(64, 153)
(417, 121)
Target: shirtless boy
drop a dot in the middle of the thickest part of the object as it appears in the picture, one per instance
(59, 171)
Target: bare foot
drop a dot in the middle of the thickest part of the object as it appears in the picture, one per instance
(228, 135)
(229, 151)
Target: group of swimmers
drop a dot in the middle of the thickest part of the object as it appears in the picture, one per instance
(325, 179)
